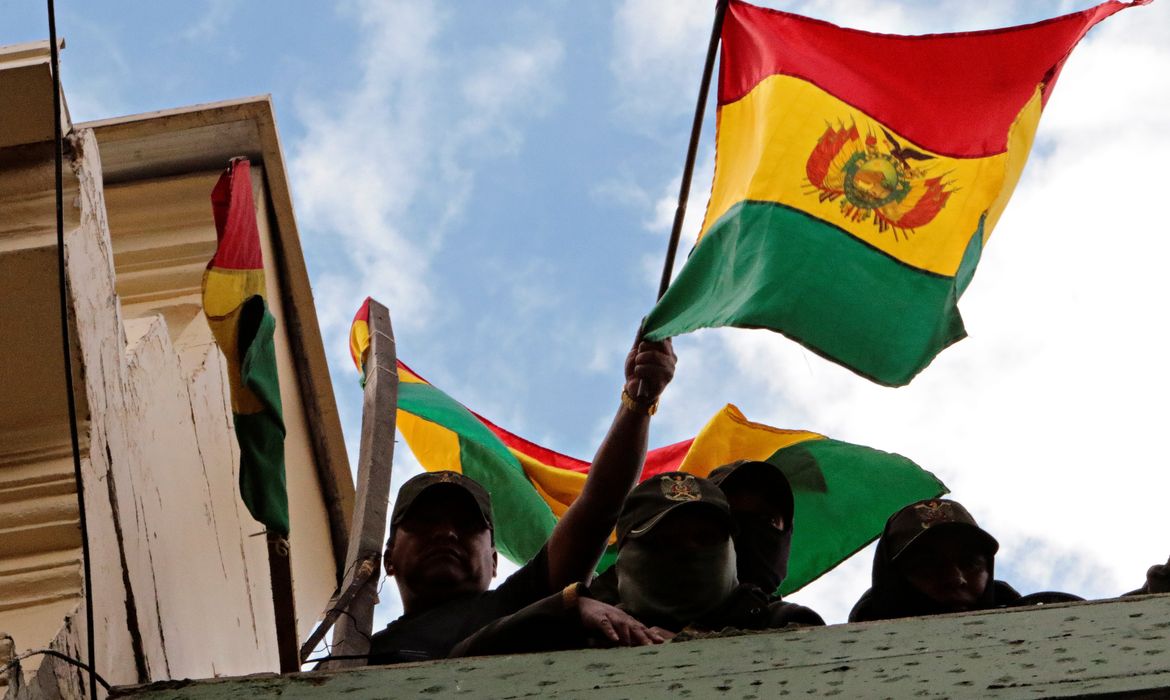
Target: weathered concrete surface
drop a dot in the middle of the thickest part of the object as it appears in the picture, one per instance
(180, 586)
(1116, 648)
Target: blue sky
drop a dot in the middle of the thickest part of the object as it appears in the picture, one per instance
(502, 175)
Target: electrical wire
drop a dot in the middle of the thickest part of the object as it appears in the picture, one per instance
(67, 356)
(64, 657)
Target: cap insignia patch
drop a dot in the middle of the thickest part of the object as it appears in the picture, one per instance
(680, 487)
(932, 513)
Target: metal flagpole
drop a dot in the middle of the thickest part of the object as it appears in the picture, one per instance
(696, 129)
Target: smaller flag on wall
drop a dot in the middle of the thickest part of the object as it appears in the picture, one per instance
(236, 310)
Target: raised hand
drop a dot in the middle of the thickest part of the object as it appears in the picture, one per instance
(649, 368)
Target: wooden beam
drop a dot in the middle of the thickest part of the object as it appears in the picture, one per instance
(376, 455)
(283, 603)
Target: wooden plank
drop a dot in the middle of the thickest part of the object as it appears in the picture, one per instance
(375, 459)
(1110, 648)
(283, 602)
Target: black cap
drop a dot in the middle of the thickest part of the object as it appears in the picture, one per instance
(909, 524)
(414, 487)
(763, 475)
(650, 501)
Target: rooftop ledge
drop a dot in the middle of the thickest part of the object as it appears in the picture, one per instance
(1114, 648)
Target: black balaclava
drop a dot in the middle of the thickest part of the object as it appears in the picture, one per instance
(761, 551)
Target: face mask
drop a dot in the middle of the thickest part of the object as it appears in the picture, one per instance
(761, 551)
(674, 586)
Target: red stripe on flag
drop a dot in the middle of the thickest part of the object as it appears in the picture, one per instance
(955, 94)
(659, 460)
(537, 452)
(235, 220)
(666, 458)
(363, 314)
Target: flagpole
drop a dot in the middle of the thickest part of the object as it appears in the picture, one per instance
(696, 129)
(283, 602)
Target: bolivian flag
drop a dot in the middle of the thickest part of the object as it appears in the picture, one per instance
(233, 301)
(858, 177)
(843, 493)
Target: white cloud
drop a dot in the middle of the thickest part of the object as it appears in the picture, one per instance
(211, 20)
(389, 161)
(659, 46)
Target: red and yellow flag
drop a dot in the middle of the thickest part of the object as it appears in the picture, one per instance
(858, 177)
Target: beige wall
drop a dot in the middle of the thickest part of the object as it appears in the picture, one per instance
(180, 583)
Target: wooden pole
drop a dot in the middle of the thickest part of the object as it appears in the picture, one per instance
(283, 603)
(359, 591)
(696, 129)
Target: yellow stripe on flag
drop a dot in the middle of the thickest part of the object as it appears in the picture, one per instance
(729, 436)
(558, 487)
(224, 290)
(435, 447)
(766, 139)
(359, 342)
(407, 377)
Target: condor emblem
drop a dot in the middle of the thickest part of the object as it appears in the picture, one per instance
(680, 487)
(931, 513)
(879, 180)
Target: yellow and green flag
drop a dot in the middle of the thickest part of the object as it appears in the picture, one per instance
(858, 177)
(233, 301)
(842, 493)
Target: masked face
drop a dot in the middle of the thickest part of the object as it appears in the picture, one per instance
(680, 570)
(763, 534)
(761, 551)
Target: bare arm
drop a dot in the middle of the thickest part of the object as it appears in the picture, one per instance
(565, 620)
(580, 536)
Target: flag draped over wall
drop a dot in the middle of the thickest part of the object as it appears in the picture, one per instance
(858, 177)
(233, 301)
(843, 493)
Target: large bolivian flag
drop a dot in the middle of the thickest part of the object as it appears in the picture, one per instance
(858, 177)
(843, 493)
(233, 301)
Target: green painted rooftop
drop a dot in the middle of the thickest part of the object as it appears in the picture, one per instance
(1116, 649)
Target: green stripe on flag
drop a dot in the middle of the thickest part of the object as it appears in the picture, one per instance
(428, 403)
(843, 495)
(261, 434)
(523, 521)
(764, 265)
